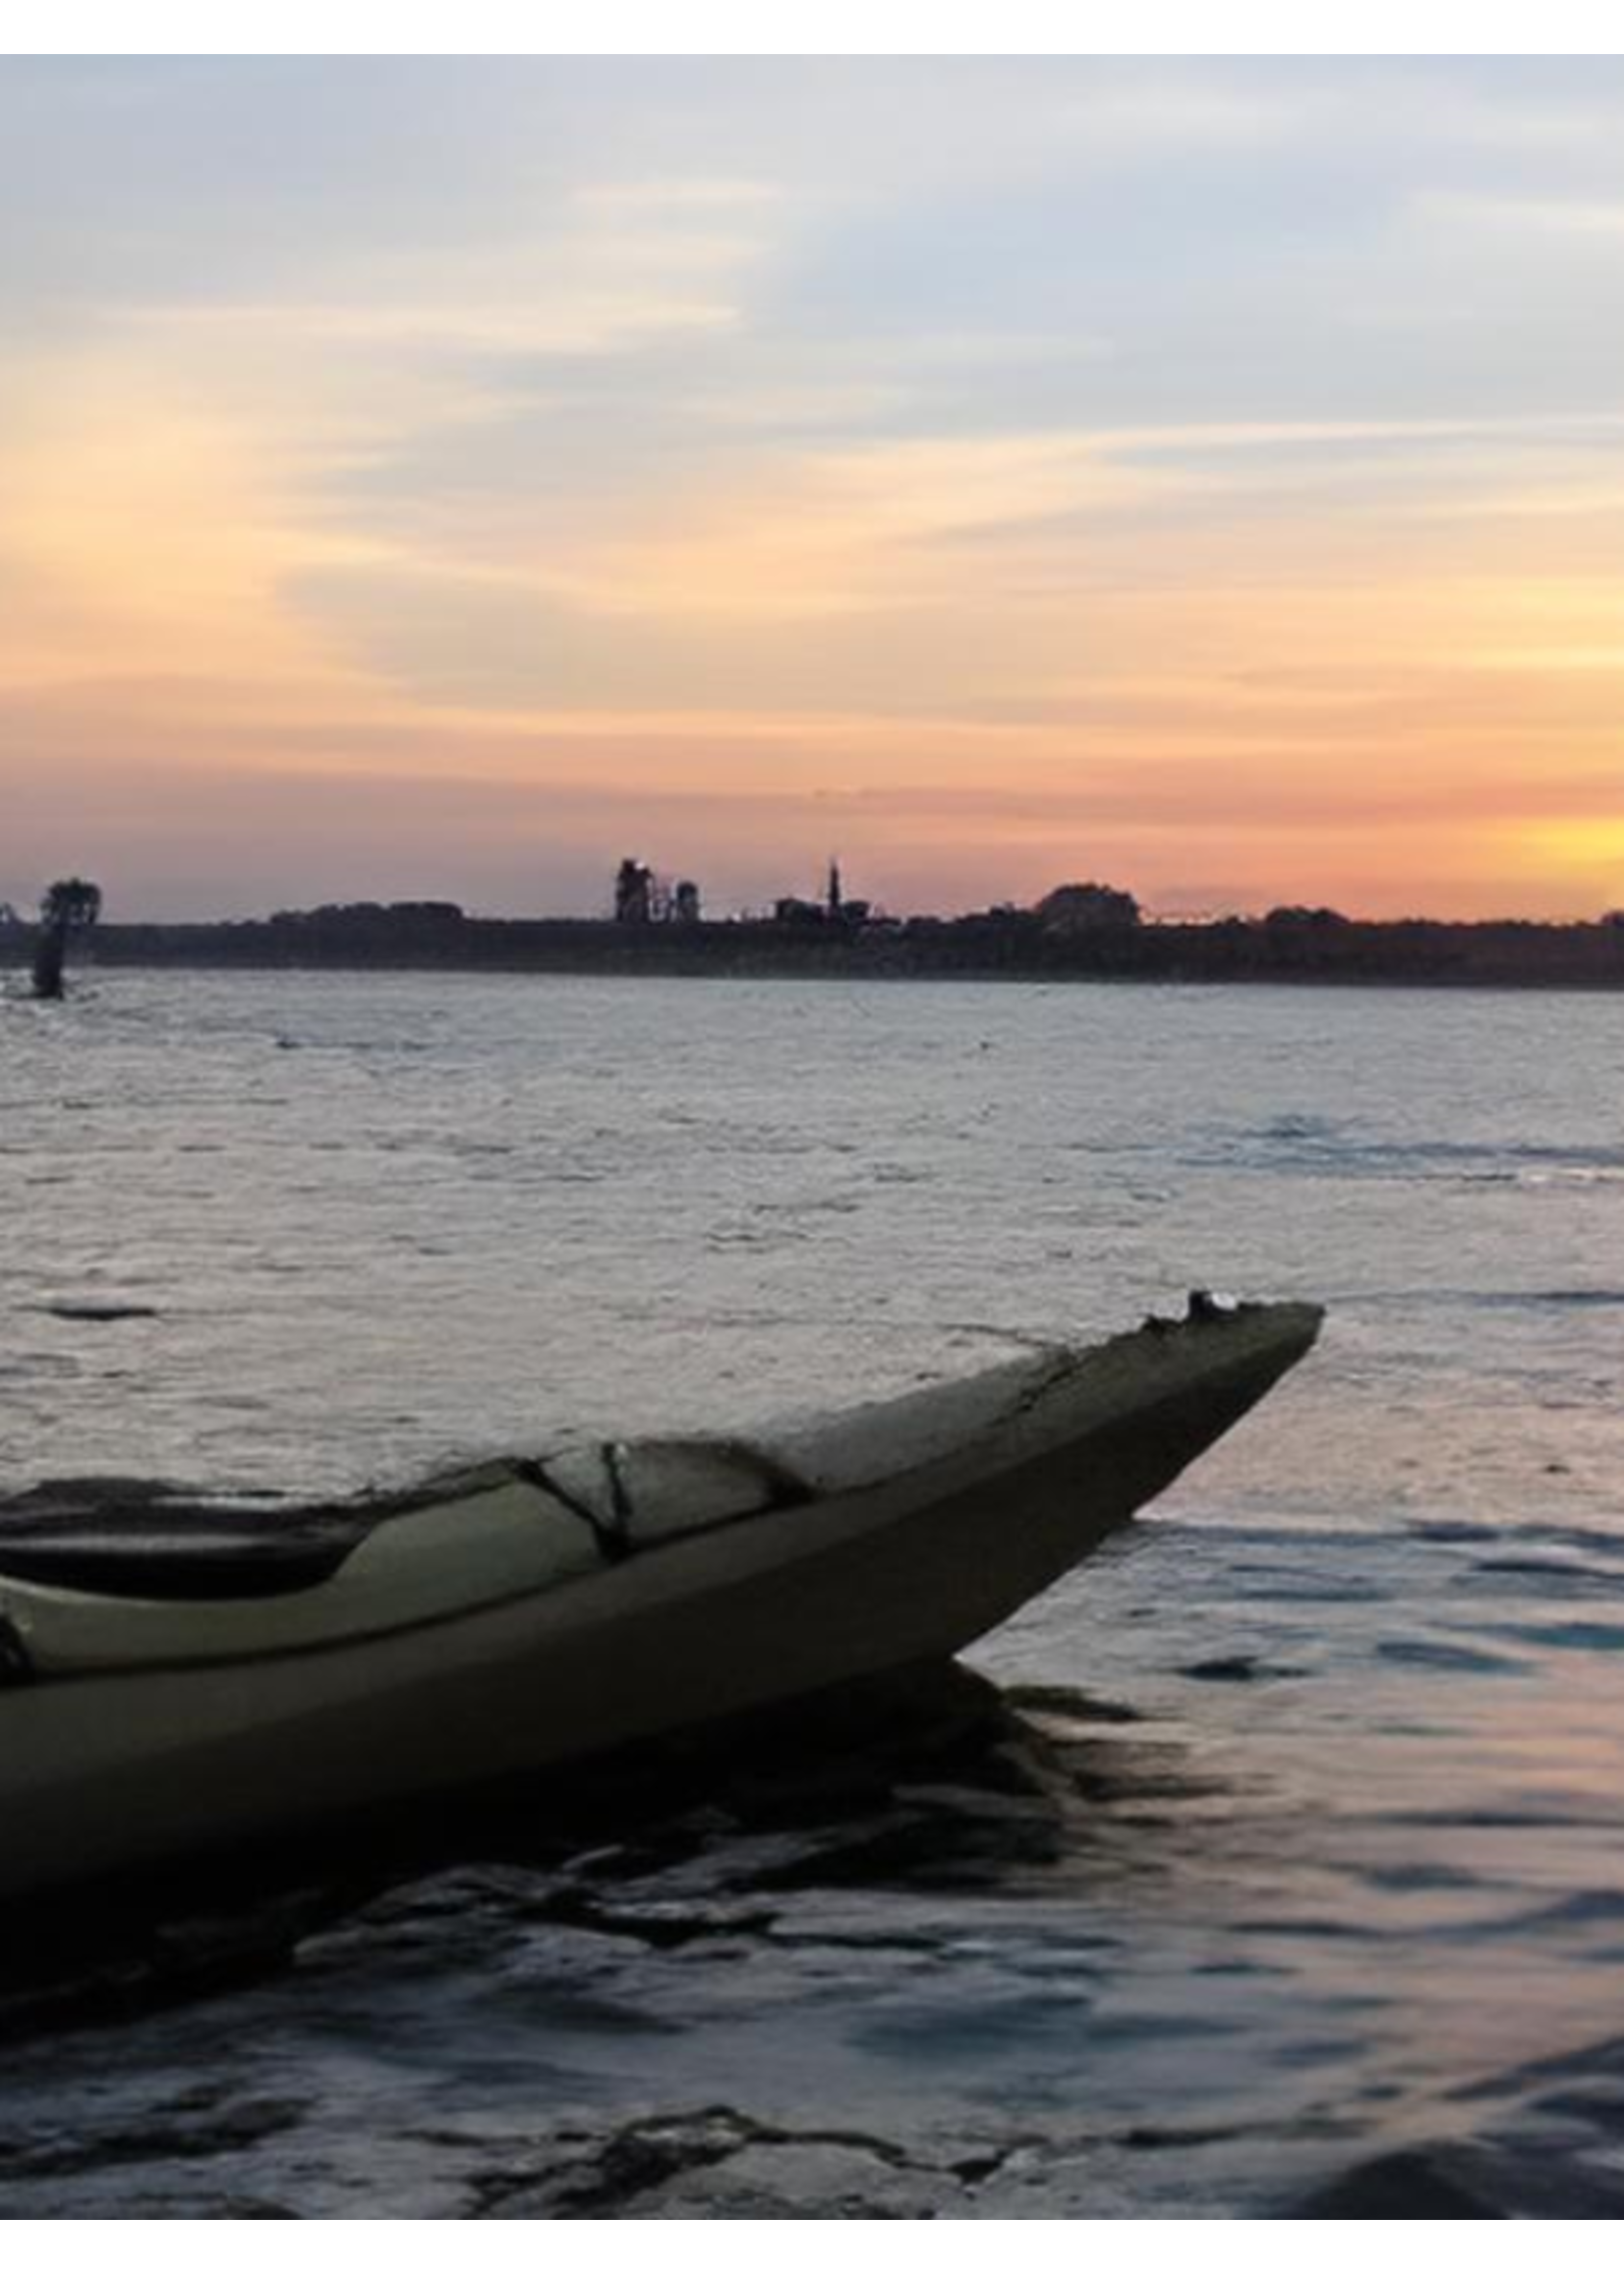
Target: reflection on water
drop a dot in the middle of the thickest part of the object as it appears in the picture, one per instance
(923, 1900)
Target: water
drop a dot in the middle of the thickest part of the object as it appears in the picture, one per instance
(1296, 1865)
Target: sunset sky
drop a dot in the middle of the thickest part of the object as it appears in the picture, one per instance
(444, 477)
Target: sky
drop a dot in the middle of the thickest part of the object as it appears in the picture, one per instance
(443, 478)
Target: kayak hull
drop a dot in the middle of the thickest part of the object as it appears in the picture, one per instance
(123, 1770)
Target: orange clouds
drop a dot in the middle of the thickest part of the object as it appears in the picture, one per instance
(1227, 661)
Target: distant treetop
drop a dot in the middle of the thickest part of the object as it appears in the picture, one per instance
(1086, 907)
(72, 903)
(359, 914)
(1320, 917)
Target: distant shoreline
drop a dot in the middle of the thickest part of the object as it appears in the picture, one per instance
(420, 937)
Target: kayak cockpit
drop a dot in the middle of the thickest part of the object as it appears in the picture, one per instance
(106, 1575)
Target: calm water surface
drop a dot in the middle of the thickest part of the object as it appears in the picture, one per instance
(1298, 1862)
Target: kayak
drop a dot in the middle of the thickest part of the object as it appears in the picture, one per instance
(180, 1676)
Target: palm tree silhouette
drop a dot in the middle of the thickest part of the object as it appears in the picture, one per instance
(72, 905)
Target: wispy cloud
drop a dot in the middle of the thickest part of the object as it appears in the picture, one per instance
(1531, 215)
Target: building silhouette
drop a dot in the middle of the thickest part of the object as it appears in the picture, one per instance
(633, 893)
